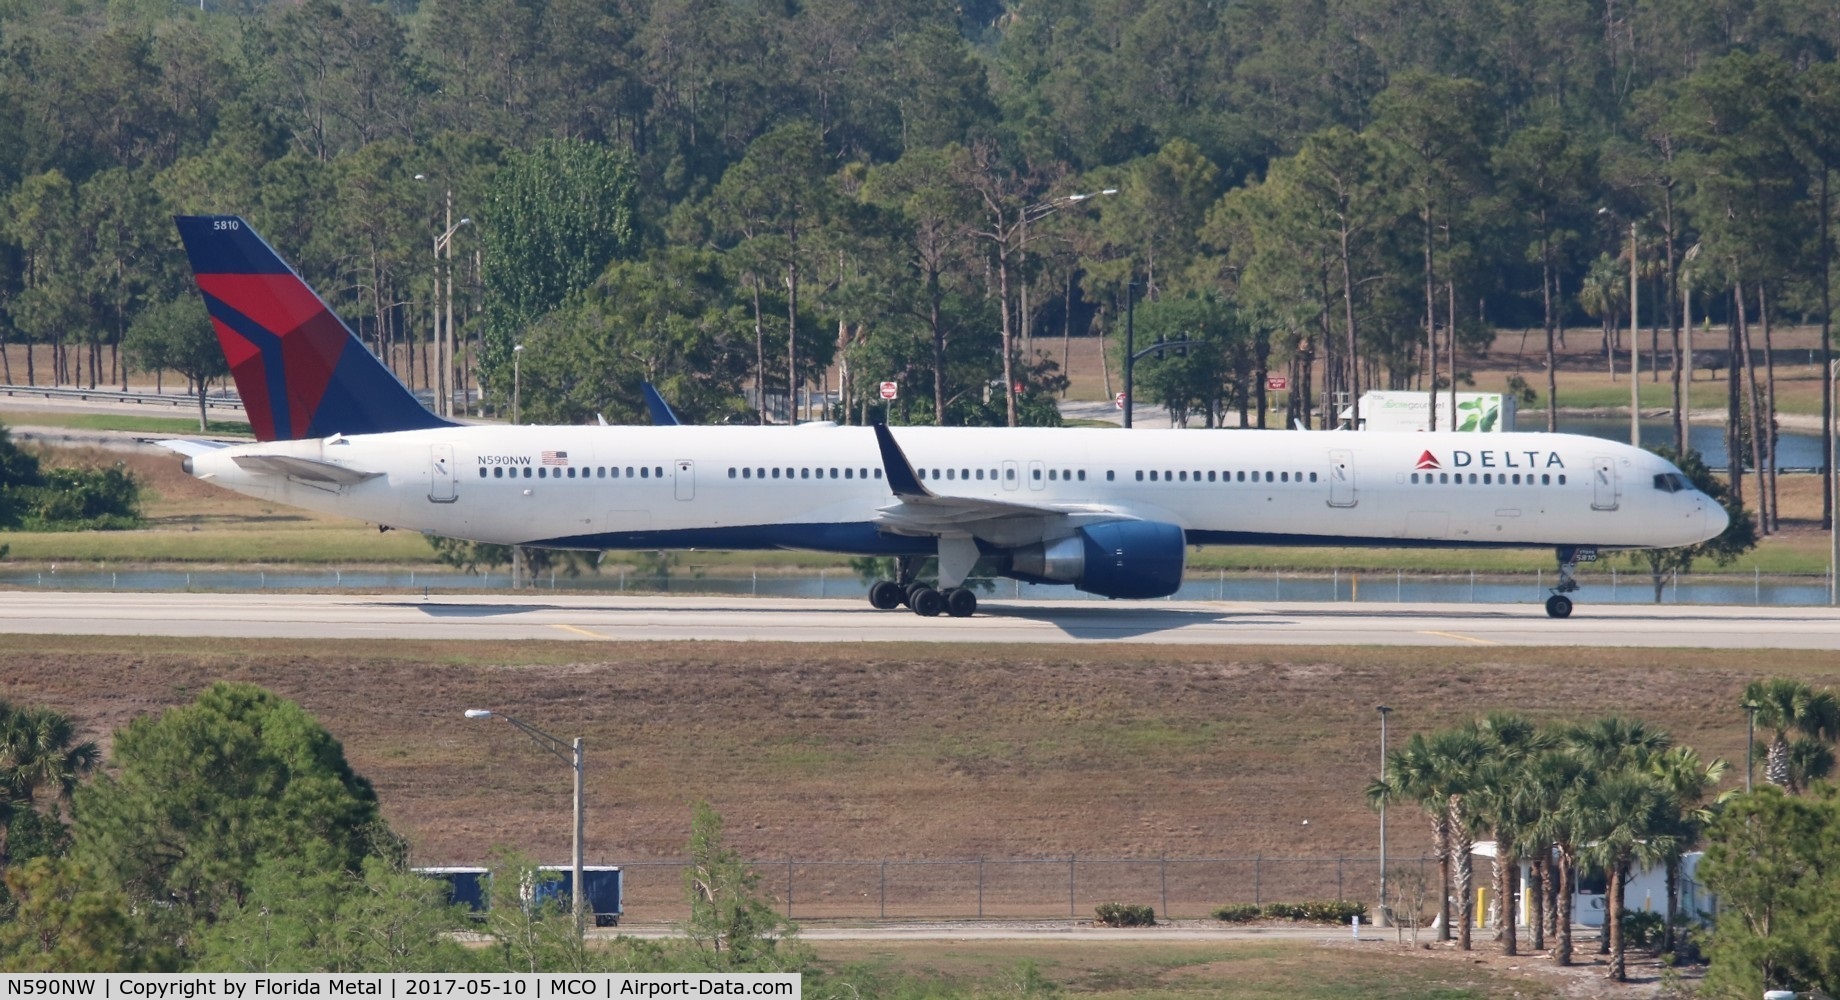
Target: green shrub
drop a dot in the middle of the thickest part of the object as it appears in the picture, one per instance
(1126, 915)
(1642, 929)
(1316, 912)
(1237, 913)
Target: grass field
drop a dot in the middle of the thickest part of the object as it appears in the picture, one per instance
(1174, 971)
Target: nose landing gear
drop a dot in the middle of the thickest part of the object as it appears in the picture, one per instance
(1559, 605)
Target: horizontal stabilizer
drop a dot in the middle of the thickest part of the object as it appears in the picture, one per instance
(191, 449)
(307, 469)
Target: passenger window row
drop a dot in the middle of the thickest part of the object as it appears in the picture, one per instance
(587, 472)
(1236, 476)
(1487, 479)
(801, 473)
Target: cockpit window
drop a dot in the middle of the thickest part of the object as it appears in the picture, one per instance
(1672, 482)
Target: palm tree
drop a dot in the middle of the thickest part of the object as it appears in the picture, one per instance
(1792, 708)
(1457, 757)
(1502, 803)
(1619, 809)
(1556, 779)
(38, 753)
(1688, 782)
(1628, 811)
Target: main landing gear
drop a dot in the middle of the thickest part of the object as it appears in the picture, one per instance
(1559, 605)
(885, 595)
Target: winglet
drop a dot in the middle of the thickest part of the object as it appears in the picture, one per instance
(660, 410)
(901, 476)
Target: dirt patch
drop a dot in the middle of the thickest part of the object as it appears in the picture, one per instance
(896, 752)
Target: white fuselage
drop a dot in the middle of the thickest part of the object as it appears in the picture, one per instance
(824, 487)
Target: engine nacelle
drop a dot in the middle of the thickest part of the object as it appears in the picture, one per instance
(1129, 559)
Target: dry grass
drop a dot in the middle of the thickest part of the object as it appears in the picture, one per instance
(1238, 971)
(904, 752)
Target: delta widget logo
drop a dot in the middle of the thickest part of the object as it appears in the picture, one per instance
(1428, 461)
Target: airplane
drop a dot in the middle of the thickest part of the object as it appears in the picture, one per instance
(1109, 512)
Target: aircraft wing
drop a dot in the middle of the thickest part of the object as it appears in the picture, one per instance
(919, 511)
(307, 469)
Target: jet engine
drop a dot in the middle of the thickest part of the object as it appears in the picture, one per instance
(1128, 559)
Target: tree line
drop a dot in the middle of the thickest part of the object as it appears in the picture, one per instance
(1613, 794)
(735, 200)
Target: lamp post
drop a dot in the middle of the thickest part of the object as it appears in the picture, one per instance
(1130, 345)
(444, 337)
(1001, 235)
(570, 755)
(1380, 913)
(1635, 341)
(1635, 349)
(517, 351)
(1750, 741)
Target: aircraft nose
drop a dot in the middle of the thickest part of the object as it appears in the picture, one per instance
(1714, 516)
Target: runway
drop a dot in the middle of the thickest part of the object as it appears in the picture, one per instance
(741, 619)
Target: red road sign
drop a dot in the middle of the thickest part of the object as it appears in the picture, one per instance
(1118, 400)
(1277, 383)
(890, 390)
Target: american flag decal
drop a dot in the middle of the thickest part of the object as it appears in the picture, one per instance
(555, 458)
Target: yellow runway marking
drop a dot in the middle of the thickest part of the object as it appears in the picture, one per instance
(580, 631)
(1465, 638)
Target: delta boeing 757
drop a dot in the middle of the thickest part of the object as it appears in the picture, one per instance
(1109, 512)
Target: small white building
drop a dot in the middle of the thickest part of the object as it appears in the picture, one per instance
(1646, 892)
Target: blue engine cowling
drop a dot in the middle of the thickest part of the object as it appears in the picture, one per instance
(1128, 559)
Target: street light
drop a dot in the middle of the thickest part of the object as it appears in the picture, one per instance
(570, 755)
(1635, 343)
(444, 339)
(516, 388)
(1380, 913)
(1001, 236)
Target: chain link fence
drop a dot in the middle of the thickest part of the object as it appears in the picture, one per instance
(1020, 888)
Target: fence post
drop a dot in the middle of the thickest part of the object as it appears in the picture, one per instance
(980, 888)
(1165, 873)
(1070, 905)
(1338, 880)
(884, 888)
(1258, 865)
(788, 888)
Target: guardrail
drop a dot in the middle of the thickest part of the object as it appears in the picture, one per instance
(215, 400)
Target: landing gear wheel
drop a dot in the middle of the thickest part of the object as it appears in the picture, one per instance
(885, 595)
(1559, 606)
(926, 602)
(961, 602)
(908, 590)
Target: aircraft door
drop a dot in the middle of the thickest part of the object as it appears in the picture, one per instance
(1038, 476)
(443, 480)
(1011, 473)
(1603, 483)
(686, 479)
(1341, 478)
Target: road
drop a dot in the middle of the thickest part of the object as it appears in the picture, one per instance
(587, 618)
